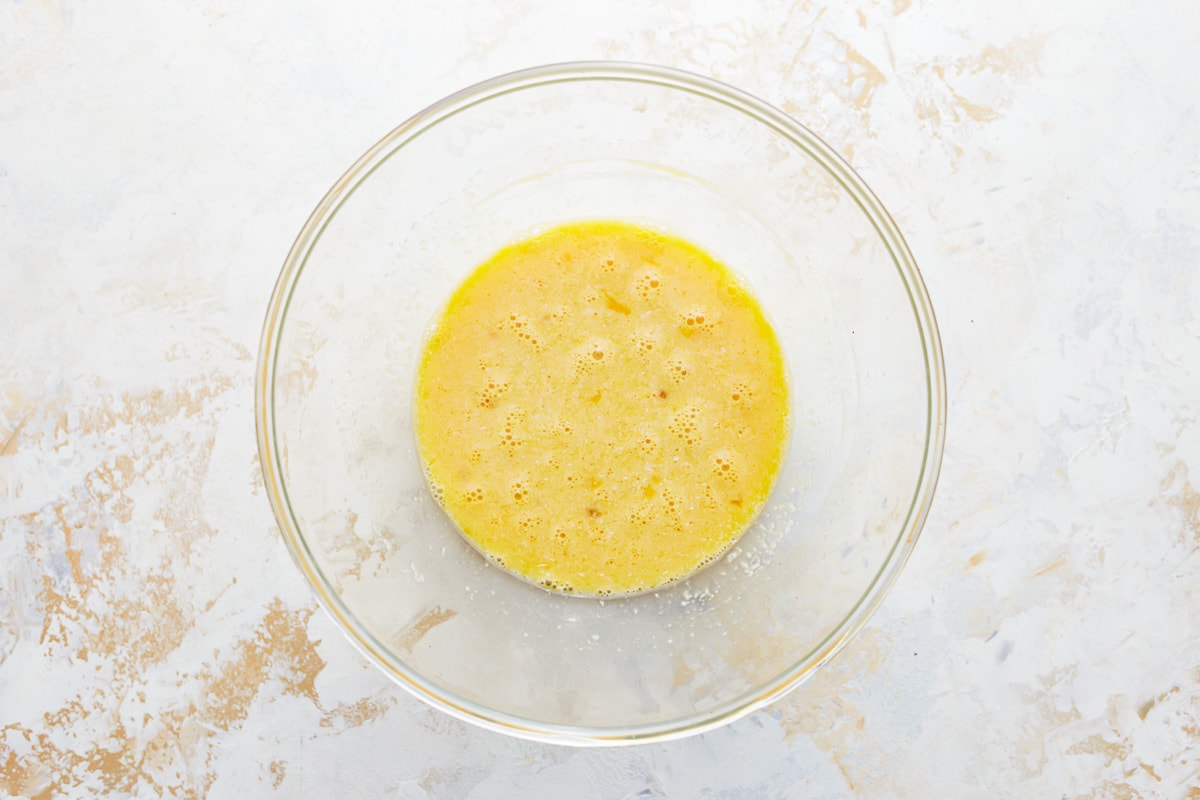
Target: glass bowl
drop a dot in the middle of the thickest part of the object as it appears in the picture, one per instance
(420, 210)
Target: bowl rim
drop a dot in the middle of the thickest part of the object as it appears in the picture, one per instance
(271, 463)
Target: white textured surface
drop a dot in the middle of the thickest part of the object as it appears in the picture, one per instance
(156, 161)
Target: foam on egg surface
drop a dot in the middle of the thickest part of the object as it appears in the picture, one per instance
(602, 409)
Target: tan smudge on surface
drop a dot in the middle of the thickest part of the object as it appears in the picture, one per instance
(1149, 704)
(975, 111)
(102, 600)
(683, 673)
(1115, 741)
(1183, 497)
(759, 657)
(280, 648)
(86, 610)
(826, 709)
(1039, 698)
(144, 410)
(863, 77)
(945, 104)
(1019, 58)
(842, 74)
(120, 760)
(411, 634)
(1050, 566)
(973, 89)
(360, 712)
(365, 551)
(451, 781)
(976, 560)
(9, 445)
(1099, 744)
(1115, 790)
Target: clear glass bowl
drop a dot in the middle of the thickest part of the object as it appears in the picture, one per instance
(381, 254)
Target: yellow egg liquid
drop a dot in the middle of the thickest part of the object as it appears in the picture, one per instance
(602, 409)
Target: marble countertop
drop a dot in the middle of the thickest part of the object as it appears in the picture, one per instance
(156, 161)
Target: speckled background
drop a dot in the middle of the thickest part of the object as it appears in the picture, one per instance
(156, 160)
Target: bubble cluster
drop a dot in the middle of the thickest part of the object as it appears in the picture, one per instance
(490, 394)
(695, 321)
(641, 516)
(601, 499)
(519, 492)
(509, 439)
(557, 586)
(474, 495)
(725, 466)
(531, 525)
(520, 325)
(648, 284)
(672, 506)
(644, 342)
(677, 369)
(685, 424)
(740, 393)
(591, 356)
